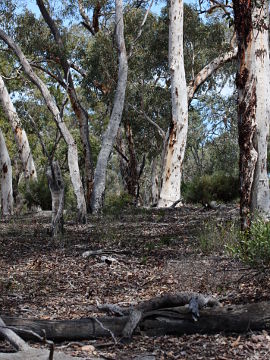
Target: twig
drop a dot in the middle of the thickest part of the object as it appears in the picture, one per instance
(106, 329)
(140, 30)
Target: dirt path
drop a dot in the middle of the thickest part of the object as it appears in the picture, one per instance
(159, 251)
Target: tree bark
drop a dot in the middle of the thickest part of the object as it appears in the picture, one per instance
(175, 147)
(129, 167)
(154, 182)
(80, 112)
(21, 139)
(6, 179)
(167, 321)
(97, 197)
(251, 24)
(56, 185)
(50, 102)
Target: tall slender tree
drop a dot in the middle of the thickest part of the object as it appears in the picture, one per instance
(6, 178)
(253, 84)
(116, 115)
(21, 139)
(51, 104)
(181, 96)
(80, 112)
(176, 143)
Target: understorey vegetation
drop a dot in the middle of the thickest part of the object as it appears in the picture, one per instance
(134, 213)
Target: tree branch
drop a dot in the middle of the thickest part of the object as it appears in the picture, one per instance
(159, 129)
(208, 70)
(86, 23)
(140, 29)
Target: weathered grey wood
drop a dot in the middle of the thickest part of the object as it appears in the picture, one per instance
(12, 337)
(40, 354)
(170, 321)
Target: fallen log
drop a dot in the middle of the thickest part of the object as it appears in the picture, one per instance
(168, 321)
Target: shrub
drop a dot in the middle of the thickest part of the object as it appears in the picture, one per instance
(253, 247)
(216, 237)
(219, 186)
(115, 203)
(37, 193)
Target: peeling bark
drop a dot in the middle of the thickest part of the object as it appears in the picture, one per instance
(251, 24)
(97, 197)
(6, 179)
(21, 139)
(176, 143)
(50, 102)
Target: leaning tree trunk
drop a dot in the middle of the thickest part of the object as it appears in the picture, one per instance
(19, 134)
(80, 112)
(115, 119)
(56, 185)
(50, 102)
(175, 147)
(6, 179)
(251, 24)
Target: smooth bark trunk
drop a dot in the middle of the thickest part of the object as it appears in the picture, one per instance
(21, 139)
(50, 102)
(192, 88)
(253, 83)
(97, 197)
(176, 144)
(80, 112)
(209, 70)
(6, 179)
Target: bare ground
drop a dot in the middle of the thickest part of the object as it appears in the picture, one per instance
(157, 251)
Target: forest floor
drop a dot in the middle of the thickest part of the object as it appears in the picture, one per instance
(156, 252)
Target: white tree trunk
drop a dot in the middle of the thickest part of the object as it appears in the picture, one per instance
(6, 179)
(253, 83)
(50, 102)
(116, 115)
(19, 134)
(175, 148)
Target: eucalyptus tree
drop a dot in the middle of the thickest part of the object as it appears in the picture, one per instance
(251, 20)
(97, 197)
(177, 135)
(80, 112)
(181, 96)
(6, 178)
(21, 139)
(51, 104)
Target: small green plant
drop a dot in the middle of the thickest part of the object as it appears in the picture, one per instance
(115, 203)
(37, 193)
(215, 237)
(253, 246)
